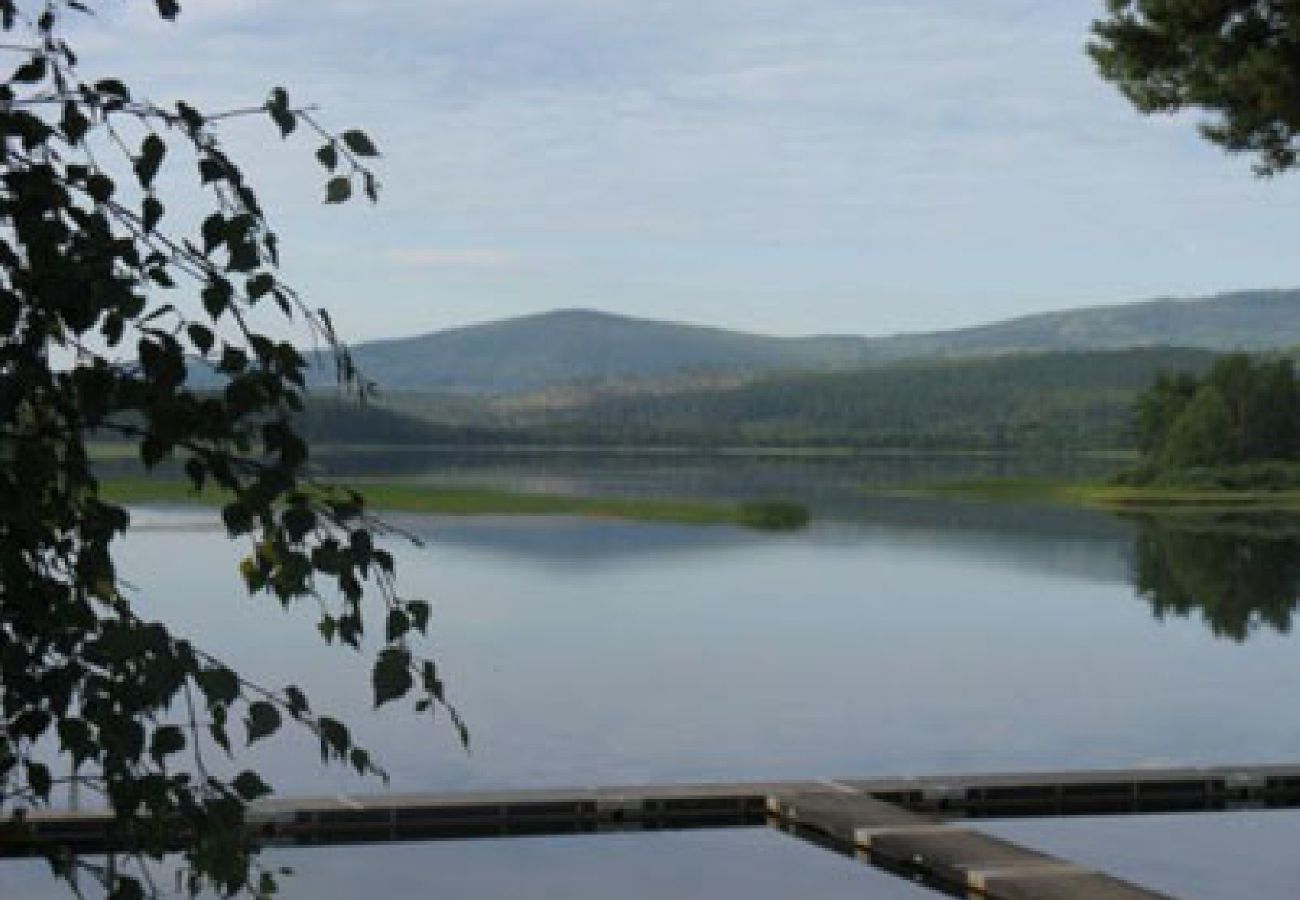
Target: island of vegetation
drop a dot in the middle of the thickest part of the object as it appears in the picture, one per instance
(432, 499)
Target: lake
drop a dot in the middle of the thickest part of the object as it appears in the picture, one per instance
(891, 637)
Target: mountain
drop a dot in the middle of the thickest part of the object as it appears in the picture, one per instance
(575, 345)
(567, 346)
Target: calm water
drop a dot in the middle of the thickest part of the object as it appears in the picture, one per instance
(892, 637)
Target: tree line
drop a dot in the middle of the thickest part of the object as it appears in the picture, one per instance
(1243, 410)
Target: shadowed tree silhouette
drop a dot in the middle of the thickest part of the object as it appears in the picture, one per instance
(109, 299)
(1240, 574)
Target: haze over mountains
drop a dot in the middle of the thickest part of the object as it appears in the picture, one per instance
(568, 346)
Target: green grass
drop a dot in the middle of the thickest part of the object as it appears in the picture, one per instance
(112, 450)
(409, 497)
(1104, 495)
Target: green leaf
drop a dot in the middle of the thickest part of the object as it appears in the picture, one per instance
(210, 170)
(201, 337)
(338, 190)
(74, 123)
(297, 700)
(100, 187)
(249, 786)
(392, 675)
(113, 93)
(236, 516)
(216, 298)
(126, 888)
(285, 121)
(334, 737)
(359, 143)
(260, 285)
(192, 118)
(219, 685)
(399, 623)
(419, 610)
(360, 760)
(214, 232)
(152, 151)
(74, 737)
(31, 71)
(243, 257)
(38, 779)
(328, 155)
(298, 521)
(166, 740)
(151, 212)
(263, 720)
(278, 109)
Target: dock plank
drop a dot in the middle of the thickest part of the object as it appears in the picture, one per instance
(957, 859)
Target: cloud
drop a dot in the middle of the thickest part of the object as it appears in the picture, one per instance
(683, 157)
(464, 258)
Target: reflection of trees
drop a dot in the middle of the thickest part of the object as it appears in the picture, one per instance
(1239, 572)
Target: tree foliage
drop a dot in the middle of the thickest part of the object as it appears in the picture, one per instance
(109, 299)
(1242, 411)
(1236, 60)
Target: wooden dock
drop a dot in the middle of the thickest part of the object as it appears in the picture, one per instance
(928, 851)
(898, 823)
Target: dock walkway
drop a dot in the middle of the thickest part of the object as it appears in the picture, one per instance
(900, 824)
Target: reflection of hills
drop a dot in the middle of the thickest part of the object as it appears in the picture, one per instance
(831, 483)
(1074, 543)
(1240, 573)
(568, 541)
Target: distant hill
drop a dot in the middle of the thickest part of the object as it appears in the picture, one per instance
(567, 346)
(1245, 320)
(577, 345)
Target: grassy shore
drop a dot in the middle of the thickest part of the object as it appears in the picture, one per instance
(112, 451)
(412, 497)
(1106, 496)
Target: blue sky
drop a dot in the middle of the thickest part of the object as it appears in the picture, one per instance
(785, 166)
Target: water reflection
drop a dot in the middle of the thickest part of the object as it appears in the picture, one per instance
(895, 636)
(1240, 573)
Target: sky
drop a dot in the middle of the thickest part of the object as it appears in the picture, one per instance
(780, 166)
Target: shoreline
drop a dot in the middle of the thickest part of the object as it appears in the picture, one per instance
(113, 451)
(1100, 495)
(407, 497)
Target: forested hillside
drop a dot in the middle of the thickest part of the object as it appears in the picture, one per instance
(1064, 400)
(341, 421)
(1044, 401)
(1026, 401)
